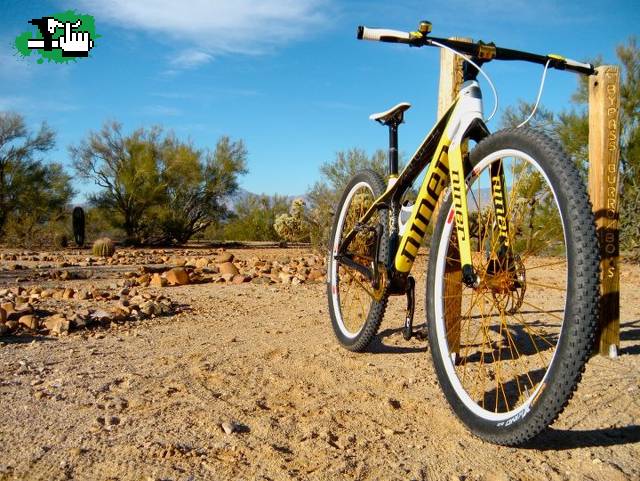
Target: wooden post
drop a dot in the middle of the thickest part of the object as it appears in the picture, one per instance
(604, 153)
(450, 82)
(450, 77)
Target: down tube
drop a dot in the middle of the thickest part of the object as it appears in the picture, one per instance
(435, 180)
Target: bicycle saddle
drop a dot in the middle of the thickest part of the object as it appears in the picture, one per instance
(393, 115)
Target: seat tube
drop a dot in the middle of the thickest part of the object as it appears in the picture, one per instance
(393, 149)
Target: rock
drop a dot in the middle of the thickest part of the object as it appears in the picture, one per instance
(57, 324)
(224, 257)
(228, 268)
(8, 308)
(82, 295)
(3, 315)
(68, 293)
(12, 325)
(262, 280)
(158, 281)
(47, 293)
(29, 321)
(178, 261)
(101, 315)
(4, 330)
(284, 277)
(240, 279)
(202, 263)
(149, 308)
(230, 427)
(177, 276)
(315, 275)
(227, 277)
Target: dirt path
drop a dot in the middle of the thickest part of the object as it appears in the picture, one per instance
(145, 401)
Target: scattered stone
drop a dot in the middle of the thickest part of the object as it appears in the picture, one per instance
(240, 279)
(224, 257)
(8, 307)
(158, 281)
(228, 268)
(178, 261)
(101, 315)
(47, 293)
(315, 275)
(66, 275)
(284, 277)
(82, 295)
(149, 308)
(177, 276)
(57, 324)
(230, 427)
(29, 321)
(202, 263)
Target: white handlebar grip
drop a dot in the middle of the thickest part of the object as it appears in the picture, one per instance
(382, 34)
(574, 63)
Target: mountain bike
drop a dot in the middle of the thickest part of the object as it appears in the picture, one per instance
(512, 279)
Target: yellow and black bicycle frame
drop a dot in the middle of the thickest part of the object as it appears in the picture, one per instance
(445, 152)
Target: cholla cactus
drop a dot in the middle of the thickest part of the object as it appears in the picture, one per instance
(293, 227)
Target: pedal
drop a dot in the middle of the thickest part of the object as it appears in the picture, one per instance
(407, 331)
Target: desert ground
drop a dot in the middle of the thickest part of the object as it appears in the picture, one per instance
(106, 373)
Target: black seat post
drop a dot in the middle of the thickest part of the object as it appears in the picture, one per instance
(393, 146)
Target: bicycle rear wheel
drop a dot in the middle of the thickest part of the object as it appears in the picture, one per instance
(355, 304)
(510, 352)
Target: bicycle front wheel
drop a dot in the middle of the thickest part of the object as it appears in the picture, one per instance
(510, 351)
(357, 304)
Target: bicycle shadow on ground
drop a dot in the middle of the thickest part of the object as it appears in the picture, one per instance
(559, 439)
(627, 334)
(377, 345)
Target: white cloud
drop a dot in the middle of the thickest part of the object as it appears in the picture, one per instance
(201, 29)
(190, 59)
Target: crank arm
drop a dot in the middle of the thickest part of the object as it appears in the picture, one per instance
(348, 262)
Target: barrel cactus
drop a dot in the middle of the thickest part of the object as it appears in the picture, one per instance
(60, 240)
(78, 226)
(103, 247)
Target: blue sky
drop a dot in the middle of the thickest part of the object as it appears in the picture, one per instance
(286, 76)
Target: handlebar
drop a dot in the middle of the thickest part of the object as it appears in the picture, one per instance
(479, 50)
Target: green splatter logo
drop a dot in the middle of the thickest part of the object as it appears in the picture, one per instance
(61, 37)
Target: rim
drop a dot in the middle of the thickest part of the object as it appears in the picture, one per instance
(348, 294)
(499, 341)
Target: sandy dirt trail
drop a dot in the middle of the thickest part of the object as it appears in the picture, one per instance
(146, 400)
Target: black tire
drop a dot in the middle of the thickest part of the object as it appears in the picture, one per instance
(547, 347)
(356, 325)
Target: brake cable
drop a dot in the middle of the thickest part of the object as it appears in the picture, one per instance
(463, 57)
(535, 107)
